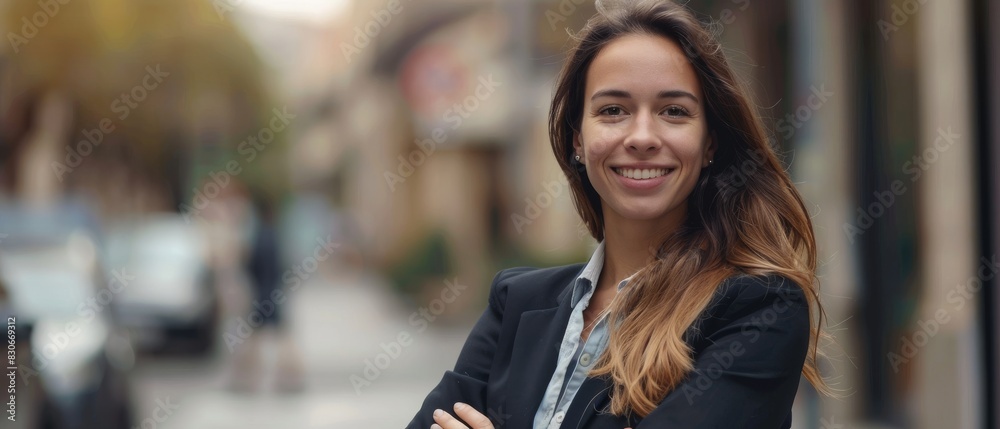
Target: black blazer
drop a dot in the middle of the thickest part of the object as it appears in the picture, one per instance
(749, 348)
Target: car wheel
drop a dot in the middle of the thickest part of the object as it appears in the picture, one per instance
(203, 342)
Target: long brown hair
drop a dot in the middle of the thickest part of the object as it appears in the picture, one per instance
(744, 215)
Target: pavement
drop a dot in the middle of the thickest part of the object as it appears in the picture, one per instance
(341, 327)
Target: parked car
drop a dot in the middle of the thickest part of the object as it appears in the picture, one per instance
(171, 303)
(79, 359)
(28, 397)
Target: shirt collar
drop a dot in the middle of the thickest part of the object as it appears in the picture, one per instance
(591, 273)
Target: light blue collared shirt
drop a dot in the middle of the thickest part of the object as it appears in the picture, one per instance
(575, 359)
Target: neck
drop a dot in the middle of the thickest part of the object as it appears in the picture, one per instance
(630, 245)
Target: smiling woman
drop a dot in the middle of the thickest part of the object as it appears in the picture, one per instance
(699, 308)
(645, 131)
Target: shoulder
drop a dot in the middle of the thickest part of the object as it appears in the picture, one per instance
(766, 316)
(745, 290)
(538, 275)
(757, 303)
(540, 286)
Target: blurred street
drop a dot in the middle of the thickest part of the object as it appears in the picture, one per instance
(337, 322)
(286, 214)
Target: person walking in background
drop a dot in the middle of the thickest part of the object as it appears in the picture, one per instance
(264, 269)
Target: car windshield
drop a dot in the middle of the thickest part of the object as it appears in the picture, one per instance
(47, 282)
(158, 249)
(166, 249)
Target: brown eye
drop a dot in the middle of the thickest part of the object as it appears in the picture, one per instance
(676, 111)
(612, 110)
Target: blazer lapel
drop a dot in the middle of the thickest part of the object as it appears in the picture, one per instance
(534, 358)
(592, 396)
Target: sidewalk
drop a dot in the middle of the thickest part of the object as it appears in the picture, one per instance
(339, 325)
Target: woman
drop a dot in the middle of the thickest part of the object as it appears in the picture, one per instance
(699, 308)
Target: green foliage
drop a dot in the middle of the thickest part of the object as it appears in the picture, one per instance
(429, 259)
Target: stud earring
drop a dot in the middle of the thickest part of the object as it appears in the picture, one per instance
(711, 161)
(578, 158)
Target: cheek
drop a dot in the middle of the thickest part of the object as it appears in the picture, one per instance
(597, 150)
(599, 142)
(691, 146)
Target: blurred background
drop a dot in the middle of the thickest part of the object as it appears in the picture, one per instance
(256, 214)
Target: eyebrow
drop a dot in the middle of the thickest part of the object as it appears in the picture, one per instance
(673, 93)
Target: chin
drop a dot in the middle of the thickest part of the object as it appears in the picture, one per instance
(641, 212)
(646, 208)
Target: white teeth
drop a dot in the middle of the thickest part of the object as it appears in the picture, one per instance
(634, 173)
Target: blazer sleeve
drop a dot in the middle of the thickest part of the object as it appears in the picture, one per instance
(749, 363)
(467, 382)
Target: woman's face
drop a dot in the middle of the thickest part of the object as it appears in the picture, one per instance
(643, 137)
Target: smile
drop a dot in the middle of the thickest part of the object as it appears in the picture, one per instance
(641, 174)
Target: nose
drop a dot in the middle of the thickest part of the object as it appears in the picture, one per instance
(642, 138)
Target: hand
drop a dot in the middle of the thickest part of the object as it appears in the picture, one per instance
(467, 413)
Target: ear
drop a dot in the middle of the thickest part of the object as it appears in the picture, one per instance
(710, 148)
(577, 145)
